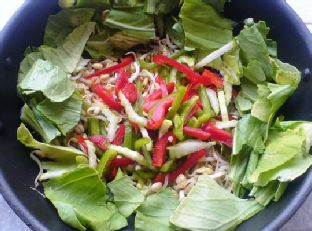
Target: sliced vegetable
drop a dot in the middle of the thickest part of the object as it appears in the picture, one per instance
(133, 155)
(158, 113)
(107, 97)
(126, 61)
(119, 136)
(187, 147)
(121, 162)
(196, 133)
(189, 163)
(159, 153)
(99, 140)
(131, 114)
(218, 134)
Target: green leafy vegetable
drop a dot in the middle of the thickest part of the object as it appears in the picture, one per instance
(81, 201)
(39, 123)
(133, 24)
(210, 207)
(270, 98)
(67, 55)
(253, 49)
(65, 115)
(57, 153)
(204, 28)
(127, 197)
(281, 147)
(27, 64)
(59, 26)
(100, 45)
(100, 4)
(249, 131)
(156, 211)
(160, 6)
(49, 79)
(285, 74)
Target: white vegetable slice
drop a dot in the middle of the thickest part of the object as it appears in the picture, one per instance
(136, 74)
(228, 88)
(133, 155)
(223, 107)
(187, 147)
(131, 114)
(113, 122)
(166, 124)
(216, 54)
(52, 174)
(144, 133)
(91, 154)
(213, 100)
(226, 124)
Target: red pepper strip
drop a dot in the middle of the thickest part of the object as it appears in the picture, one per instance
(130, 92)
(170, 87)
(159, 112)
(125, 62)
(159, 178)
(218, 134)
(213, 77)
(190, 91)
(188, 164)
(107, 97)
(155, 95)
(160, 149)
(163, 86)
(83, 143)
(151, 100)
(190, 74)
(120, 133)
(149, 105)
(122, 80)
(111, 176)
(135, 127)
(197, 133)
(121, 162)
(99, 140)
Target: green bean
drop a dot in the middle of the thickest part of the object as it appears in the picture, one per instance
(177, 101)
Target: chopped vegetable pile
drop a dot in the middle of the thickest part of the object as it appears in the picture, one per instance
(155, 109)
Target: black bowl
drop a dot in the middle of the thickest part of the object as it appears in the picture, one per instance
(17, 171)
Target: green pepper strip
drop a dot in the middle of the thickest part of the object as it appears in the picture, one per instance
(93, 126)
(188, 108)
(148, 158)
(192, 122)
(146, 65)
(173, 75)
(128, 136)
(177, 102)
(85, 105)
(138, 104)
(140, 143)
(197, 123)
(177, 54)
(178, 127)
(146, 175)
(205, 101)
(105, 160)
(168, 166)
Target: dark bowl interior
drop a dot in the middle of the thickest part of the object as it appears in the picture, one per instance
(17, 171)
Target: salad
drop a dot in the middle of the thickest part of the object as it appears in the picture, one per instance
(156, 110)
